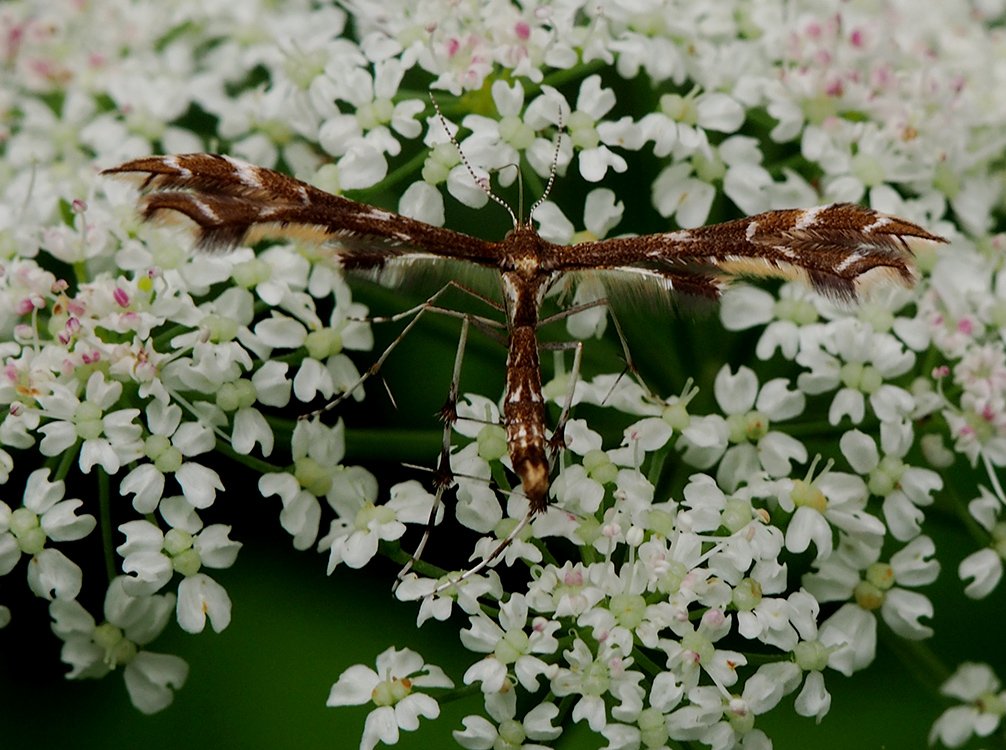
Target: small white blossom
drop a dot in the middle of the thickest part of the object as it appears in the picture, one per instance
(873, 585)
(509, 643)
(170, 442)
(93, 649)
(109, 439)
(151, 557)
(392, 689)
(984, 703)
(507, 731)
(44, 516)
(354, 536)
(905, 489)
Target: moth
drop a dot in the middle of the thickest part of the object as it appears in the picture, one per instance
(839, 249)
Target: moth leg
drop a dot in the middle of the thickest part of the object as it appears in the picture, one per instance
(443, 475)
(414, 313)
(630, 365)
(488, 560)
(558, 440)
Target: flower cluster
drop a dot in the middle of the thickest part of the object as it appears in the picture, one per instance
(706, 555)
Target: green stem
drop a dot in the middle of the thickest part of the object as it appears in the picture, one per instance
(260, 466)
(66, 461)
(918, 660)
(105, 521)
(449, 696)
(400, 174)
(394, 552)
(562, 77)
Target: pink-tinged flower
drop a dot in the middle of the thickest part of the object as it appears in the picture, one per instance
(110, 437)
(597, 677)
(511, 645)
(392, 689)
(694, 651)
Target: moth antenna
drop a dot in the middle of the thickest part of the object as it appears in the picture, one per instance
(520, 194)
(483, 183)
(551, 172)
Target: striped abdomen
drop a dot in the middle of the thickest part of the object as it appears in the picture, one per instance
(524, 416)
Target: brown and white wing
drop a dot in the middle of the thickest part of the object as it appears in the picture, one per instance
(840, 250)
(235, 203)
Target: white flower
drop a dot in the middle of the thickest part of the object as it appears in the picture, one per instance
(649, 725)
(497, 142)
(374, 108)
(904, 488)
(592, 676)
(852, 630)
(678, 193)
(481, 734)
(852, 355)
(508, 644)
(984, 704)
(93, 649)
(317, 472)
(170, 442)
(392, 690)
(110, 438)
(748, 411)
(354, 536)
(680, 124)
(590, 136)
(810, 655)
(200, 598)
(151, 557)
(734, 726)
(788, 315)
(833, 499)
(985, 566)
(466, 594)
(44, 516)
